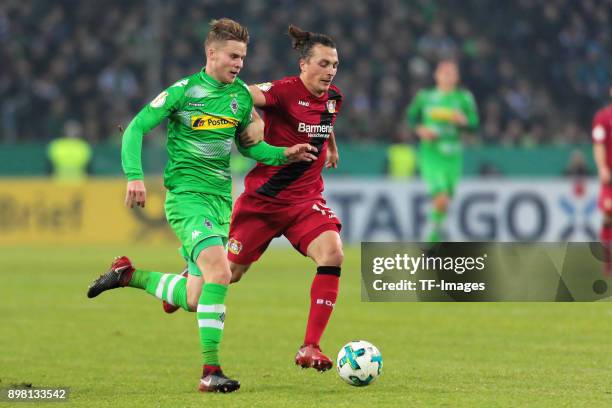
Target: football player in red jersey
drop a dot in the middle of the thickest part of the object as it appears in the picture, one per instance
(287, 200)
(602, 150)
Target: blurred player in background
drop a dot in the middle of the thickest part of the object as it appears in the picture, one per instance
(206, 112)
(602, 150)
(438, 115)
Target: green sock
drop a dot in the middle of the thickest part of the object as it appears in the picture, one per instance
(211, 317)
(437, 220)
(166, 286)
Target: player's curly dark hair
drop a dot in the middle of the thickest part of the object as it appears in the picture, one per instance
(225, 29)
(304, 41)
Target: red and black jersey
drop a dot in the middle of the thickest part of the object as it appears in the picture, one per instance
(293, 115)
(602, 131)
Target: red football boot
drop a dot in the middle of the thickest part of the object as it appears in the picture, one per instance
(117, 276)
(310, 355)
(168, 308)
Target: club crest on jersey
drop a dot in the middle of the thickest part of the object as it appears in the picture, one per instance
(234, 246)
(208, 224)
(234, 106)
(265, 87)
(331, 106)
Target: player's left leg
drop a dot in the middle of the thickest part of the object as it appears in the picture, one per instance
(316, 235)
(326, 251)
(443, 183)
(439, 211)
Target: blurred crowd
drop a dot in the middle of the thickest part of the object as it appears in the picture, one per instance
(537, 68)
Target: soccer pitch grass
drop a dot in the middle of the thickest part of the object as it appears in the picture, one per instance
(121, 350)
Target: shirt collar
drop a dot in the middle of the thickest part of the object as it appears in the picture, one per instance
(210, 80)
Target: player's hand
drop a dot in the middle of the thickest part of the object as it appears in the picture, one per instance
(604, 175)
(300, 152)
(332, 159)
(136, 194)
(426, 133)
(459, 118)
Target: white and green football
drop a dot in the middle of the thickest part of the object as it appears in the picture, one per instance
(359, 363)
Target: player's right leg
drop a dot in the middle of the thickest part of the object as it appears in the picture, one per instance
(251, 230)
(164, 286)
(238, 270)
(169, 308)
(122, 273)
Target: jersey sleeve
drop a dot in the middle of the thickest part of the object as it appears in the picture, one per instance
(598, 132)
(149, 117)
(264, 153)
(414, 112)
(273, 92)
(471, 111)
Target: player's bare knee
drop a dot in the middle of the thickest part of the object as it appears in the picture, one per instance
(220, 275)
(441, 202)
(332, 256)
(214, 267)
(237, 271)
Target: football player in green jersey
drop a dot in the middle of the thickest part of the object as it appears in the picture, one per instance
(206, 112)
(439, 115)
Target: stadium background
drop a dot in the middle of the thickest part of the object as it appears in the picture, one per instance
(538, 71)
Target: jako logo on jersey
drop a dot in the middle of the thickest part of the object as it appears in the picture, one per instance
(304, 103)
(331, 106)
(234, 246)
(204, 122)
(322, 131)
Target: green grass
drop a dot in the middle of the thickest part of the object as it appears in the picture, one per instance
(121, 350)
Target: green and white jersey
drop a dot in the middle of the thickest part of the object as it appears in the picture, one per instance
(435, 109)
(204, 116)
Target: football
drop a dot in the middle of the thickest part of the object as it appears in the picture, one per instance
(359, 363)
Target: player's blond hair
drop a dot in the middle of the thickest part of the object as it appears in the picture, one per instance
(225, 29)
(304, 41)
